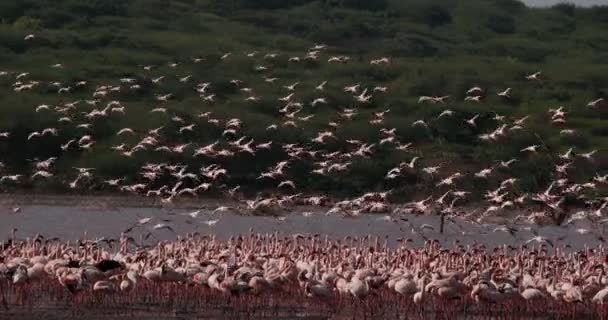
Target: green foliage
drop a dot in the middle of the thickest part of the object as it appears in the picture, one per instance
(434, 15)
(437, 47)
(568, 9)
(500, 23)
(27, 23)
(371, 5)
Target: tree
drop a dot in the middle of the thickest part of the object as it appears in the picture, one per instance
(370, 5)
(510, 6)
(27, 23)
(12, 10)
(272, 4)
(500, 23)
(92, 8)
(435, 16)
(568, 9)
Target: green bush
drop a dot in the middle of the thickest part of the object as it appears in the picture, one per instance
(436, 47)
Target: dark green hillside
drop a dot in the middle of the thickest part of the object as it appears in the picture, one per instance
(436, 47)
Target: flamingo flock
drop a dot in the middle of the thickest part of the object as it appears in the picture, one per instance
(182, 156)
(88, 117)
(364, 274)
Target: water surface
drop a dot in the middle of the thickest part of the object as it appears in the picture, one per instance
(71, 223)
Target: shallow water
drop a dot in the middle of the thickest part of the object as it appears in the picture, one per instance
(71, 223)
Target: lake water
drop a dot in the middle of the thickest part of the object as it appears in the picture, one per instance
(70, 223)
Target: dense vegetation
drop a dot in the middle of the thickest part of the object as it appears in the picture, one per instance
(437, 47)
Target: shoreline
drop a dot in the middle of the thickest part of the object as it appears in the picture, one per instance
(116, 201)
(113, 202)
(70, 216)
(110, 201)
(107, 201)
